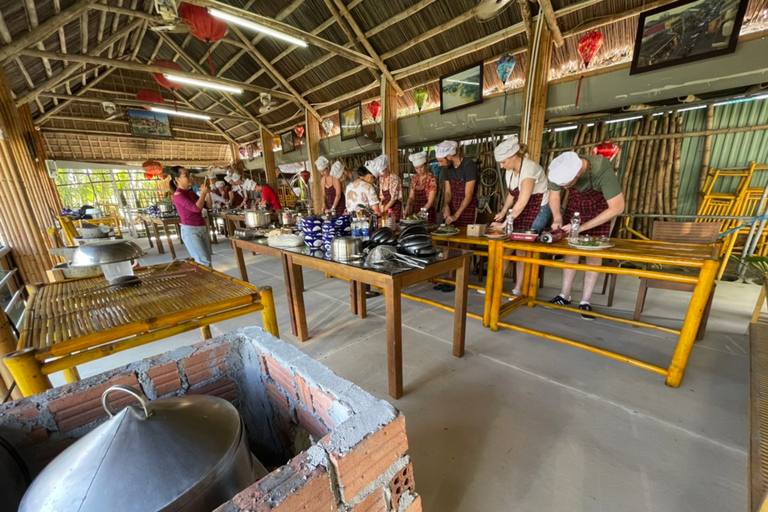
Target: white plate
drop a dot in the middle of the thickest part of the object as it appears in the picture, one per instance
(445, 233)
(496, 237)
(603, 245)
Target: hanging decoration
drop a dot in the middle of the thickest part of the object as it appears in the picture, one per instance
(203, 26)
(588, 47)
(504, 68)
(299, 131)
(243, 152)
(374, 108)
(150, 96)
(152, 168)
(420, 96)
(327, 125)
(164, 82)
(606, 149)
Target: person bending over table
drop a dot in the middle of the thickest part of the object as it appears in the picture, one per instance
(595, 193)
(362, 194)
(269, 198)
(220, 197)
(390, 188)
(460, 203)
(423, 188)
(194, 232)
(527, 195)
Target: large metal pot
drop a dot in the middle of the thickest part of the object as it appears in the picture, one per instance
(178, 454)
(346, 248)
(287, 217)
(257, 219)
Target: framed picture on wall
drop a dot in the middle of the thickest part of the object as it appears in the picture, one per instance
(351, 121)
(686, 31)
(150, 124)
(286, 142)
(461, 89)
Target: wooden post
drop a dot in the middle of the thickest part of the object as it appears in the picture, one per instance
(313, 152)
(536, 89)
(269, 158)
(706, 154)
(25, 187)
(389, 144)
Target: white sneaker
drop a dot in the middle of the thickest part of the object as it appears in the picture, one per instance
(515, 293)
(481, 292)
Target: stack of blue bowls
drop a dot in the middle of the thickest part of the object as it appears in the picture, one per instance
(339, 226)
(312, 231)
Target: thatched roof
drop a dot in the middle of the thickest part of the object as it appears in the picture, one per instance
(415, 40)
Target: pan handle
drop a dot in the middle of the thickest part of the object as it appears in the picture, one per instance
(143, 400)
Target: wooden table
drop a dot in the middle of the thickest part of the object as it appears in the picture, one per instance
(157, 223)
(229, 221)
(294, 260)
(698, 256)
(73, 322)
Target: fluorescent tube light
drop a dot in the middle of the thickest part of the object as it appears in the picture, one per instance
(612, 121)
(255, 26)
(687, 109)
(202, 83)
(566, 128)
(171, 112)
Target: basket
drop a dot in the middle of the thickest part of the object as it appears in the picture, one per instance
(476, 230)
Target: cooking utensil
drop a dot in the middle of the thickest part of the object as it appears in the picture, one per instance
(413, 230)
(185, 453)
(107, 252)
(346, 248)
(524, 236)
(287, 217)
(384, 253)
(257, 219)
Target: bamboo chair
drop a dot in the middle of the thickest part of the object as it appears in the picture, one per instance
(679, 232)
(68, 229)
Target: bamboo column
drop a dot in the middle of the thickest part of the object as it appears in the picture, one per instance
(269, 158)
(536, 87)
(389, 145)
(313, 152)
(29, 196)
(706, 154)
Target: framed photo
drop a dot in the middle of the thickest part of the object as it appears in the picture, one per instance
(461, 89)
(686, 31)
(286, 142)
(150, 124)
(351, 121)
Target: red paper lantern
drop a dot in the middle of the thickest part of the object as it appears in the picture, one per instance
(203, 26)
(150, 96)
(588, 48)
(606, 149)
(374, 108)
(299, 131)
(170, 66)
(152, 168)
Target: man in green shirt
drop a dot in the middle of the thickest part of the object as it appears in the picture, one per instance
(595, 193)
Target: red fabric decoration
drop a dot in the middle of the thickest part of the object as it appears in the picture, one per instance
(606, 149)
(203, 26)
(152, 168)
(588, 48)
(374, 108)
(150, 96)
(170, 66)
(299, 131)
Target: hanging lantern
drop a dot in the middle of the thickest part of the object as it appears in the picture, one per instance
(152, 168)
(160, 77)
(203, 26)
(374, 108)
(504, 67)
(588, 48)
(420, 96)
(606, 149)
(299, 131)
(327, 125)
(150, 96)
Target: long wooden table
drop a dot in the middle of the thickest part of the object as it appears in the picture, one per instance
(702, 257)
(294, 260)
(165, 223)
(73, 322)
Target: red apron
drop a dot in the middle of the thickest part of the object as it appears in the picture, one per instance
(420, 198)
(589, 203)
(458, 191)
(397, 208)
(524, 221)
(237, 199)
(330, 197)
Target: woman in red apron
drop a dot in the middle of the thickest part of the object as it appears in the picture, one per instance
(460, 205)
(390, 189)
(423, 189)
(594, 192)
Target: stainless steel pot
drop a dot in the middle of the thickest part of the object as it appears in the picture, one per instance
(288, 217)
(346, 248)
(256, 219)
(178, 454)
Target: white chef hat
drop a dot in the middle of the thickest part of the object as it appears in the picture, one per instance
(228, 178)
(235, 177)
(373, 168)
(418, 159)
(507, 149)
(446, 148)
(564, 168)
(382, 161)
(337, 169)
(220, 184)
(322, 163)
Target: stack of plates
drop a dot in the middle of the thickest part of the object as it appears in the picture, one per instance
(340, 226)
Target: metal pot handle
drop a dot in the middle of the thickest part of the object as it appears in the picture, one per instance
(143, 400)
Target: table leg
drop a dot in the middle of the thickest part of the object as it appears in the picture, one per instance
(27, 372)
(489, 278)
(158, 240)
(362, 304)
(170, 242)
(240, 263)
(71, 375)
(498, 285)
(268, 314)
(149, 235)
(297, 283)
(205, 332)
(177, 230)
(394, 339)
(691, 324)
(353, 296)
(533, 283)
(288, 293)
(460, 309)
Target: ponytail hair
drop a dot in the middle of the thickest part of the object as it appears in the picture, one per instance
(523, 151)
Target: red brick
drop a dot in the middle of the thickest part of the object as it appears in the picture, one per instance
(251, 499)
(401, 482)
(311, 424)
(415, 506)
(370, 458)
(314, 496)
(304, 394)
(223, 388)
(373, 503)
(277, 396)
(25, 412)
(165, 377)
(78, 409)
(281, 376)
(323, 404)
(204, 365)
(38, 434)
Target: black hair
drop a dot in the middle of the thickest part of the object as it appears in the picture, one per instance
(363, 171)
(176, 170)
(172, 184)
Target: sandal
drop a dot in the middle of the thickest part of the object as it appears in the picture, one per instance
(370, 295)
(440, 287)
(448, 288)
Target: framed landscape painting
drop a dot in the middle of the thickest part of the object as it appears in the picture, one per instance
(286, 142)
(351, 121)
(461, 89)
(150, 124)
(686, 31)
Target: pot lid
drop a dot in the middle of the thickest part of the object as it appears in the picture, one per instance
(144, 457)
(106, 252)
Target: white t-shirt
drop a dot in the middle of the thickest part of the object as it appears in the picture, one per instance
(360, 192)
(530, 169)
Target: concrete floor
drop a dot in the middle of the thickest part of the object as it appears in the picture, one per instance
(526, 424)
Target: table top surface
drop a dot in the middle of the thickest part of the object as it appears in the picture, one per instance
(463, 238)
(68, 310)
(175, 219)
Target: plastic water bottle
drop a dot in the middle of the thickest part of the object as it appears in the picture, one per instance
(573, 236)
(390, 219)
(365, 233)
(423, 215)
(510, 227)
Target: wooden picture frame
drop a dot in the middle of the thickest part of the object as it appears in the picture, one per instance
(686, 31)
(145, 123)
(462, 88)
(351, 121)
(287, 142)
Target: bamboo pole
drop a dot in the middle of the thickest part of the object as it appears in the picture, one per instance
(706, 155)
(625, 179)
(660, 177)
(676, 167)
(648, 176)
(551, 19)
(667, 190)
(641, 168)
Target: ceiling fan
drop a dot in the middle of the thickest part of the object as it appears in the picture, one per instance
(267, 103)
(169, 14)
(489, 9)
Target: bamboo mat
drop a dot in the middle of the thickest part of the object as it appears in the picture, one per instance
(68, 310)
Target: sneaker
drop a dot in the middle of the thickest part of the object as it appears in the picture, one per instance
(560, 301)
(481, 292)
(586, 307)
(515, 294)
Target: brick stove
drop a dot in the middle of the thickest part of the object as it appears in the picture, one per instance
(333, 446)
